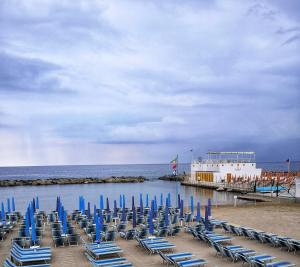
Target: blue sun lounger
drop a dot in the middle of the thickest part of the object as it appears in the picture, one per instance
(280, 264)
(29, 258)
(32, 252)
(8, 263)
(40, 249)
(96, 253)
(106, 262)
(179, 256)
(190, 263)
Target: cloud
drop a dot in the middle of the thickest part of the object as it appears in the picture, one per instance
(149, 79)
(28, 75)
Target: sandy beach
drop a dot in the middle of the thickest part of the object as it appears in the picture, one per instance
(279, 219)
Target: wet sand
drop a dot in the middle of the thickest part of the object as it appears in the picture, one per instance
(280, 219)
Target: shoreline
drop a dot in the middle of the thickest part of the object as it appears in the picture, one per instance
(67, 181)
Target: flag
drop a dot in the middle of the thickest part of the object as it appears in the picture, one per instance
(174, 163)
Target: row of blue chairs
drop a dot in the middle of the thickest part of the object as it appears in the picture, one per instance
(250, 256)
(264, 237)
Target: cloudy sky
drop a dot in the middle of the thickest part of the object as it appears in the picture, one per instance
(97, 82)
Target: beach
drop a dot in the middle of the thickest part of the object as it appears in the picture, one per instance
(282, 219)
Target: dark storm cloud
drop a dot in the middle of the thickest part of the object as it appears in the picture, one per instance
(20, 74)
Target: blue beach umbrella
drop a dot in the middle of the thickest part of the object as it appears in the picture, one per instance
(124, 202)
(57, 199)
(123, 219)
(178, 201)
(167, 216)
(8, 206)
(65, 222)
(198, 217)
(169, 199)
(150, 221)
(161, 199)
(132, 202)
(83, 206)
(141, 204)
(147, 201)
(3, 212)
(37, 204)
(181, 209)
(101, 203)
(27, 224)
(206, 218)
(133, 217)
(33, 228)
(107, 205)
(209, 207)
(95, 213)
(192, 204)
(115, 209)
(100, 220)
(13, 205)
(29, 216)
(89, 210)
(97, 228)
(33, 205)
(121, 204)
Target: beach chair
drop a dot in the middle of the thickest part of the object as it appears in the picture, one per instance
(174, 231)
(32, 258)
(280, 264)
(130, 234)
(190, 263)
(105, 262)
(9, 263)
(121, 227)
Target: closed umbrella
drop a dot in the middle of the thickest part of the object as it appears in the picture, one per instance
(133, 217)
(13, 205)
(147, 201)
(8, 206)
(132, 202)
(150, 221)
(37, 204)
(181, 209)
(89, 210)
(124, 202)
(169, 199)
(192, 204)
(33, 229)
(100, 220)
(161, 199)
(167, 216)
(95, 213)
(101, 203)
(83, 205)
(115, 209)
(123, 219)
(209, 207)
(121, 204)
(206, 218)
(65, 222)
(3, 212)
(33, 205)
(27, 224)
(178, 201)
(107, 205)
(97, 228)
(141, 204)
(198, 217)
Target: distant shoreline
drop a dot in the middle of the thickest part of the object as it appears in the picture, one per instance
(67, 181)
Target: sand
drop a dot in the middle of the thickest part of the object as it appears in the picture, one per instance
(280, 219)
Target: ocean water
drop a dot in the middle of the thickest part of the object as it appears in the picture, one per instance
(91, 192)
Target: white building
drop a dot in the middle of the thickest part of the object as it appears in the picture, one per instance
(225, 167)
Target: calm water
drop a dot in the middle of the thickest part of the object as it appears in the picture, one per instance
(70, 193)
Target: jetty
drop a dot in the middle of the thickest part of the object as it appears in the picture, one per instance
(66, 181)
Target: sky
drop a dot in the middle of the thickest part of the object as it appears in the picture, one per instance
(117, 82)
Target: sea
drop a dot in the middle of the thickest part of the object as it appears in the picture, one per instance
(91, 192)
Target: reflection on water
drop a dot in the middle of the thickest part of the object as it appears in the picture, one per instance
(91, 192)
